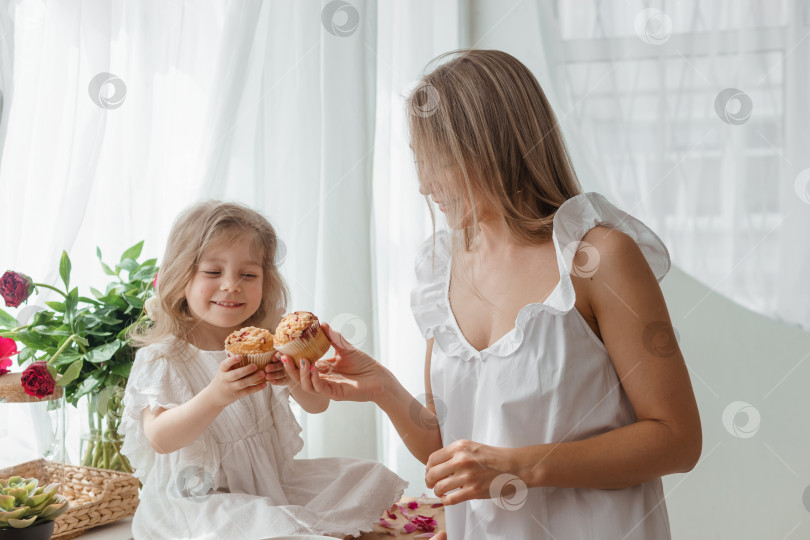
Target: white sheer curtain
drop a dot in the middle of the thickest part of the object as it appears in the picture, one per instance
(696, 116)
(409, 35)
(123, 113)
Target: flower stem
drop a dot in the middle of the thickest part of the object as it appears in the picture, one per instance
(50, 287)
(67, 342)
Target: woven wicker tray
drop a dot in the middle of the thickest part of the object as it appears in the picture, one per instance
(97, 496)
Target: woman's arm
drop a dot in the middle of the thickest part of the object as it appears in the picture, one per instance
(172, 429)
(417, 425)
(636, 330)
(352, 375)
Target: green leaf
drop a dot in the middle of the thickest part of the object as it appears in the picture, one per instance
(130, 265)
(7, 321)
(149, 262)
(67, 357)
(98, 294)
(70, 373)
(122, 370)
(64, 269)
(34, 340)
(103, 353)
(144, 274)
(56, 306)
(88, 385)
(98, 334)
(25, 354)
(134, 301)
(104, 318)
(107, 270)
(79, 339)
(134, 252)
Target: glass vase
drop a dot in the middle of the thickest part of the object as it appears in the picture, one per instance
(101, 443)
(32, 432)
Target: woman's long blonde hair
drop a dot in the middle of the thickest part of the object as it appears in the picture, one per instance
(195, 230)
(481, 117)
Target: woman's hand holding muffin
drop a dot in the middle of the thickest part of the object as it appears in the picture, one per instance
(350, 375)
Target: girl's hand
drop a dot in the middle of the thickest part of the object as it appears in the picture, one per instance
(467, 467)
(277, 375)
(351, 375)
(230, 383)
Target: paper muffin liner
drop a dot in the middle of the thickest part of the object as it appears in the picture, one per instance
(310, 347)
(260, 360)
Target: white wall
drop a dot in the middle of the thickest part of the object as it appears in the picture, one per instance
(743, 488)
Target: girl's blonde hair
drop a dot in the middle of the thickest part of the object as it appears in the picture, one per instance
(195, 230)
(481, 119)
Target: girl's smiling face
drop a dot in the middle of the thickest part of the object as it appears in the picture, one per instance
(226, 288)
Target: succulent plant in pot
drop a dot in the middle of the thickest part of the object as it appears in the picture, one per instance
(27, 510)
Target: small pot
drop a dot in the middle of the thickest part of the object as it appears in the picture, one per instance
(43, 531)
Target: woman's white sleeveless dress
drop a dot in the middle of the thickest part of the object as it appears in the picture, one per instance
(548, 380)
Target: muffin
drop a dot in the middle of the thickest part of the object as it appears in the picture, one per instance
(300, 336)
(254, 345)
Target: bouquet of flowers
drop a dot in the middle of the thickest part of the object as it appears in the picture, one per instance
(80, 344)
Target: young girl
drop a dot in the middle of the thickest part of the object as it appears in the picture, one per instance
(213, 444)
(562, 395)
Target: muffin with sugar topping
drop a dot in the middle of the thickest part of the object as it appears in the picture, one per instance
(299, 335)
(254, 345)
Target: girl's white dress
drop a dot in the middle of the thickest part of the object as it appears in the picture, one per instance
(548, 380)
(239, 478)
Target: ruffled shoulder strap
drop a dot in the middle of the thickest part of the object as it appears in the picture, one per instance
(574, 219)
(427, 298)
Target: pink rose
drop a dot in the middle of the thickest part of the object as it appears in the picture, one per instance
(15, 288)
(8, 347)
(37, 381)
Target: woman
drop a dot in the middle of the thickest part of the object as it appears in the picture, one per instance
(564, 397)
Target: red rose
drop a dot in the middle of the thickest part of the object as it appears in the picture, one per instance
(5, 363)
(154, 282)
(37, 381)
(15, 288)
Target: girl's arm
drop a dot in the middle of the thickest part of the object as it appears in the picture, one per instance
(636, 330)
(352, 375)
(172, 429)
(310, 402)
